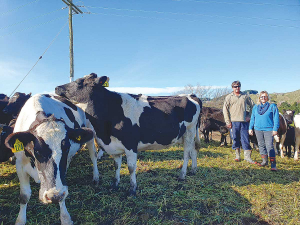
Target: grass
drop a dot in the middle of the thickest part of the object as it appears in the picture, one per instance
(222, 191)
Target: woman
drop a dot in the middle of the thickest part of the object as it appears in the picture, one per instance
(265, 121)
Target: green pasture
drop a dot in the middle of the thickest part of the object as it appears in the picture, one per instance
(222, 191)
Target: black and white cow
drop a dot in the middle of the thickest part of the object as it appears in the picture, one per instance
(127, 123)
(48, 132)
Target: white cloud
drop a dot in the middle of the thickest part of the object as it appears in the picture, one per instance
(146, 90)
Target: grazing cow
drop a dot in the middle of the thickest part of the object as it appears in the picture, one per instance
(127, 123)
(297, 135)
(48, 132)
(212, 119)
(15, 104)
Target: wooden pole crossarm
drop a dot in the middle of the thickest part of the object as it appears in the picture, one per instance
(70, 5)
(75, 7)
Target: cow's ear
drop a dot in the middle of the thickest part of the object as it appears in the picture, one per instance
(17, 141)
(81, 135)
(29, 95)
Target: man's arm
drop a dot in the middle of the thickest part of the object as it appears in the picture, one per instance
(226, 112)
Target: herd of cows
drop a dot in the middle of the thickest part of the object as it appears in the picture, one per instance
(44, 132)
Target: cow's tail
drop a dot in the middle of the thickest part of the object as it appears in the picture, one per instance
(197, 144)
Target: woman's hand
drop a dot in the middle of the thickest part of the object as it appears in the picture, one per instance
(275, 133)
(250, 132)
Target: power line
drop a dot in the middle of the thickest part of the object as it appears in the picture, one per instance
(243, 24)
(32, 18)
(188, 14)
(19, 7)
(232, 3)
(40, 57)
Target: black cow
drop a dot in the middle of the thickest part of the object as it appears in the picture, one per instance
(127, 123)
(212, 119)
(4, 118)
(289, 141)
(48, 132)
(284, 120)
(15, 104)
(5, 153)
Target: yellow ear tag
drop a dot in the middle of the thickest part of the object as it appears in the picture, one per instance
(105, 84)
(18, 146)
(78, 138)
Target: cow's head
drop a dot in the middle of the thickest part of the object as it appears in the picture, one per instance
(205, 122)
(80, 89)
(288, 115)
(49, 142)
(16, 103)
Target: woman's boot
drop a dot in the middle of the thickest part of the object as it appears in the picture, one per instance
(237, 155)
(273, 163)
(264, 160)
(247, 156)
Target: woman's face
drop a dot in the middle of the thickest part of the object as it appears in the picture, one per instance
(264, 98)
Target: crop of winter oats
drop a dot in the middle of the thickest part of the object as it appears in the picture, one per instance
(222, 191)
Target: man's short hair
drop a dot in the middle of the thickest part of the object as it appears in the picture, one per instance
(236, 83)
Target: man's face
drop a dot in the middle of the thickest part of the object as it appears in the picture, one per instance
(236, 89)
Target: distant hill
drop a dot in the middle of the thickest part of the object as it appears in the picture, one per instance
(278, 98)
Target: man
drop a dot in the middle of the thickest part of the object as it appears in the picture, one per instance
(235, 109)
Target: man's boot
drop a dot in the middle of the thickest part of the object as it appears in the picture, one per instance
(273, 163)
(247, 156)
(264, 160)
(237, 155)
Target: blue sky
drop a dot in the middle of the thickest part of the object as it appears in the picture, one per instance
(154, 47)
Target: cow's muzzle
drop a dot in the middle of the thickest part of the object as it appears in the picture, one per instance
(54, 196)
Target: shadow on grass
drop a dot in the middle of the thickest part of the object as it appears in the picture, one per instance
(205, 198)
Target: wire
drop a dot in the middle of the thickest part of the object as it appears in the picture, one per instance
(232, 3)
(19, 7)
(143, 17)
(32, 18)
(40, 57)
(32, 27)
(188, 14)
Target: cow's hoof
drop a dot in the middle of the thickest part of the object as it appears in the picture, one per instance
(193, 172)
(181, 179)
(132, 193)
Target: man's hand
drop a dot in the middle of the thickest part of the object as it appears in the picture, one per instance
(250, 132)
(229, 125)
(247, 118)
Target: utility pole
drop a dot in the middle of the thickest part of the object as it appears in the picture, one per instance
(72, 8)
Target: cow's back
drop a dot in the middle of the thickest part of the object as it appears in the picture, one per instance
(72, 115)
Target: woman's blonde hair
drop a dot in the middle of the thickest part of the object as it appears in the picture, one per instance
(260, 94)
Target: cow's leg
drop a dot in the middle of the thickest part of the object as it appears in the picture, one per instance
(65, 217)
(211, 135)
(189, 151)
(131, 163)
(118, 162)
(296, 149)
(25, 193)
(93, 155)
(281, 145)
